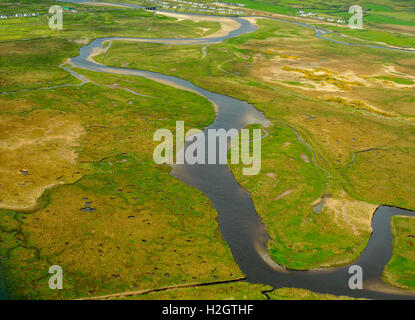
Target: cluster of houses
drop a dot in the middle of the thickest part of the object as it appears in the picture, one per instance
(315, 16)
(183, 5)
(220, 3)
(19, 15)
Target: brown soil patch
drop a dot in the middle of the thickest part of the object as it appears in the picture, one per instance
(37, 151)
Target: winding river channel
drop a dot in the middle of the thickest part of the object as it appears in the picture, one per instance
(240, 225)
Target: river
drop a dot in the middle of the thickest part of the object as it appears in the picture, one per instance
(239, 223)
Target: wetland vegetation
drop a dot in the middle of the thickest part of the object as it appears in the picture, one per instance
(287, 187)
(341, 129)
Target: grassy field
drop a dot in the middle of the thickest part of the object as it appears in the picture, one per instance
(237, 291)
(117, 222)
(39, 50)
(372, 36)
(384, 22)
(107, 214)
(367, 113)
(403, 259)
(116, 215)
(398, 12)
